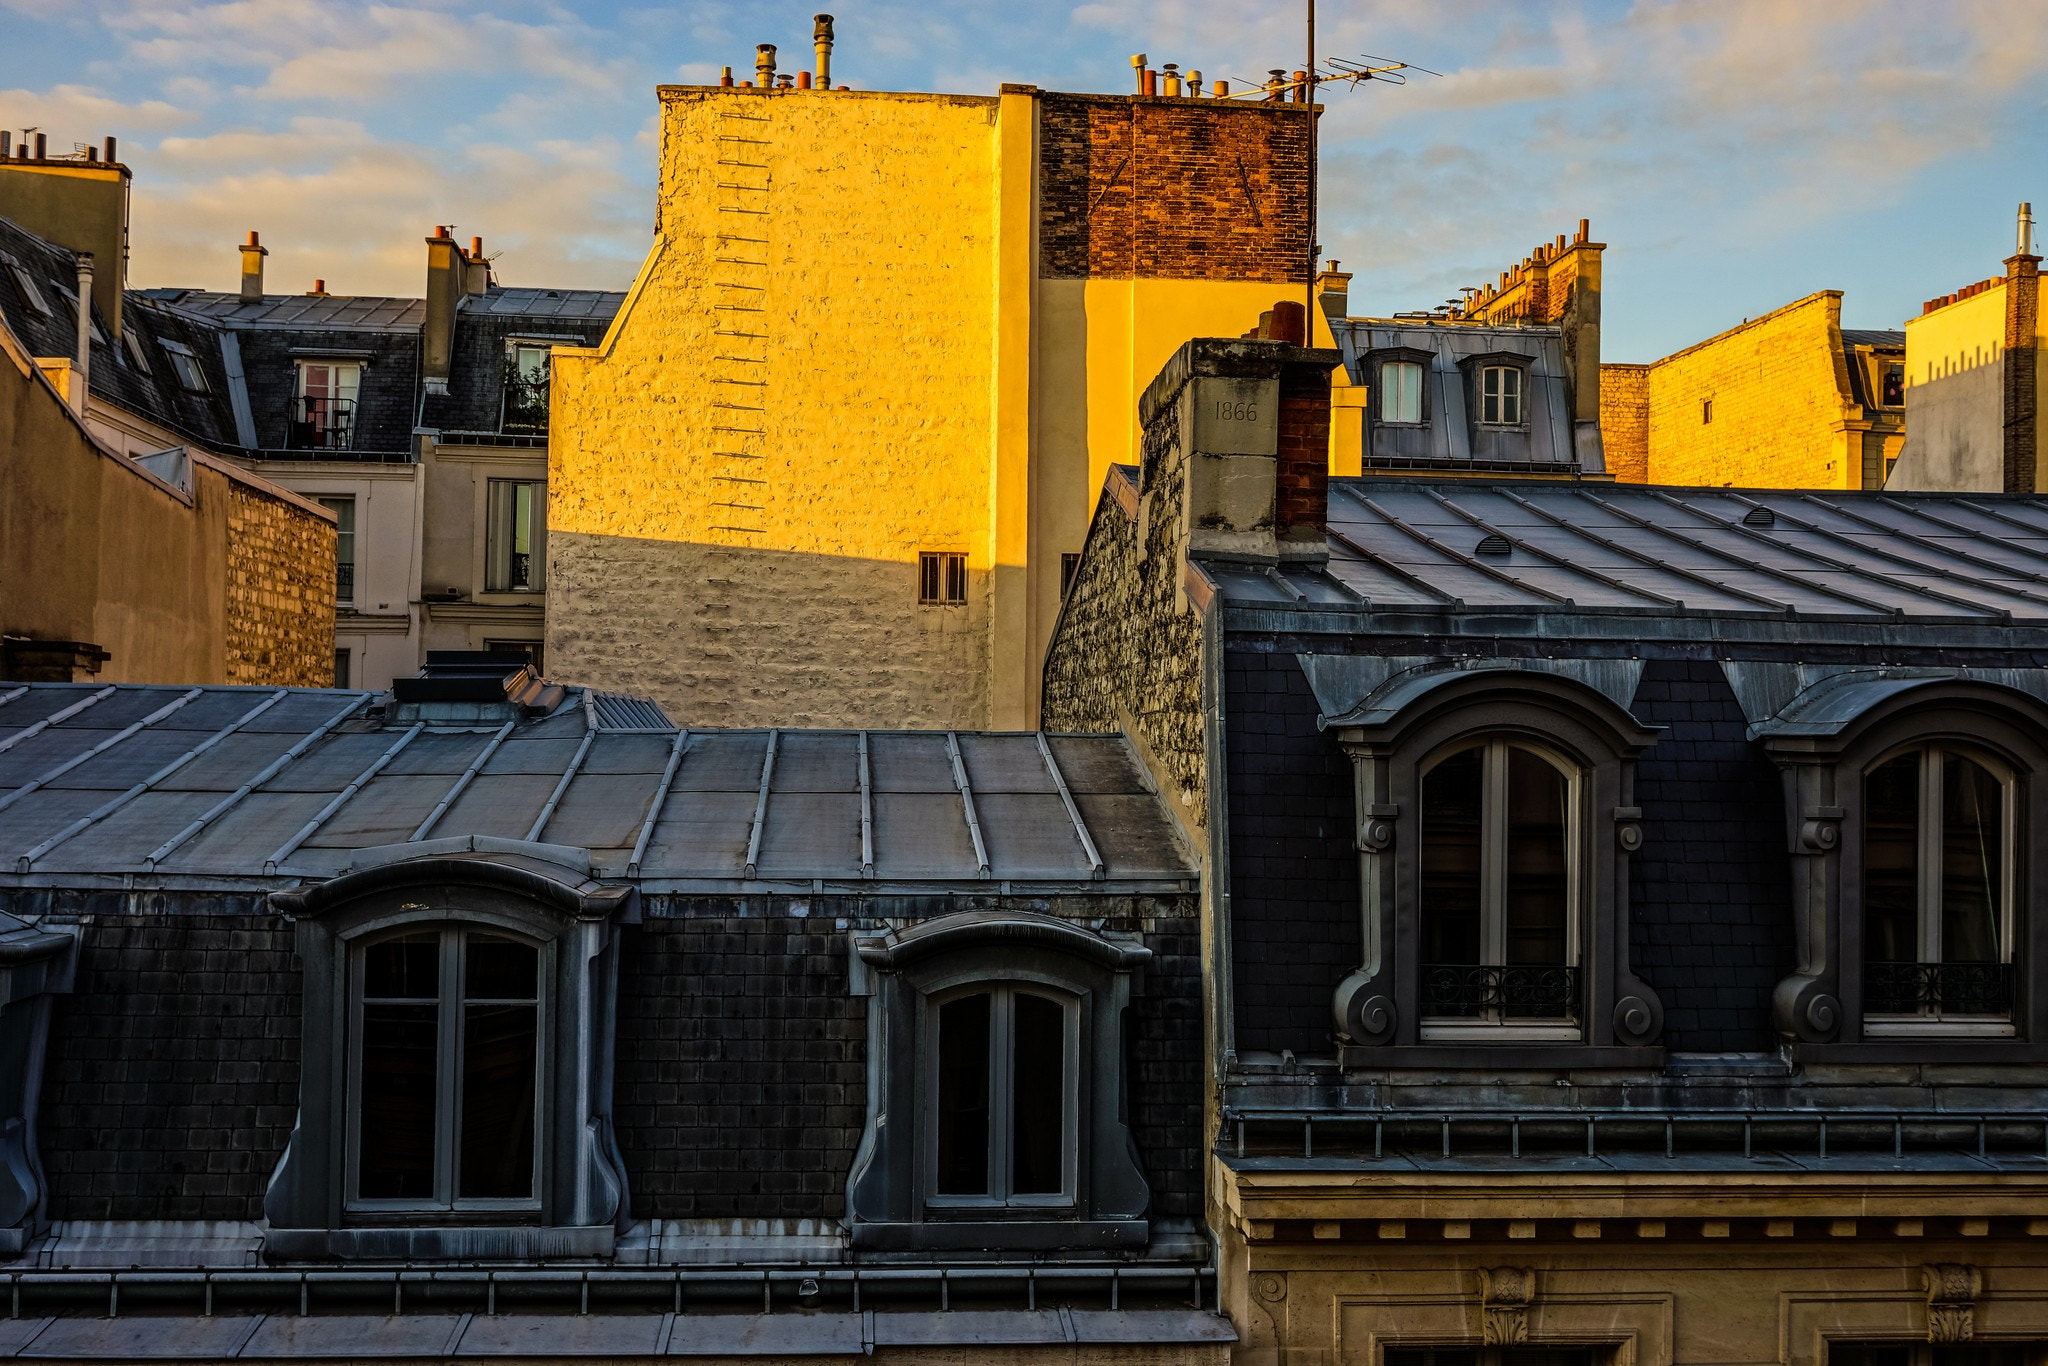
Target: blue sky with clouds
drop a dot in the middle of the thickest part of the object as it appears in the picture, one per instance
(1734, 154)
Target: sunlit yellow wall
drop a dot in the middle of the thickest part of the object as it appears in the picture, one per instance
(797, 398)
(1955, 376)
(1781, 405)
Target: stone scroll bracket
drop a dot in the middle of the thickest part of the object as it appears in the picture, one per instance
(1504, 1296)
(1952, 1293)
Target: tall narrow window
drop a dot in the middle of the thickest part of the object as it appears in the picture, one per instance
(1937, 892)
(445, 1070)
(512, 536)
(1500, 395)
(1002, 1120)
(341, 668)
(344, 510)
(323, 416)
(941, 577)
(526, 389)
(1400, 391)
(1497, 892)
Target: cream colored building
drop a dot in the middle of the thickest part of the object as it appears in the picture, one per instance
(829, 463)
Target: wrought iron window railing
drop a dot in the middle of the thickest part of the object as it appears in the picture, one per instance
(526, 404)
(1938, 988)
(321, 424)
(1525, 992)
(345, 581)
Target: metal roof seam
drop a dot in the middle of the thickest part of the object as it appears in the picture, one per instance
(1608, 543)
(561, 786)
(270, 770)
(1059, 780)
(48, 721)
(967, 800)
(1977, 505)
(1442, 598)
(27, 861)
(456, 789)
(1921, 514)
(1917, 566)
(95, 751)
(761, 806)
(1460, 557)
(655, 802)
(867, 811)
(1490, 529)
(18, 692)
(305, 832)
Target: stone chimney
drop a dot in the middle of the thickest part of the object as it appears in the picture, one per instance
(447, 274)
(1241, 427)
(1333, 292)
(253, 253)
(476, 270)
(81, 205)
(2021, 381)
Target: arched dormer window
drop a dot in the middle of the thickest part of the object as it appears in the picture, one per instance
(996, 1106)
(455, 1056)
(1496, 817)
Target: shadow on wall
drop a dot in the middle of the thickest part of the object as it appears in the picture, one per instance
(730, 636)
(1955, 431)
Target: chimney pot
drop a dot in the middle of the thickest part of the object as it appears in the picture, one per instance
(1194, 85)
(1276, 85)
(1288, 322)
(6, 143)
(42, 147)
(476, 248)
(1220, 90)
(1585, 230)
(764, 65)
(725, 77)
(821, 41)
(1170, 82)
(1138, 69)
(109, 154)
(2026, 230)
(803, 80)
(1301, 87)
(441, 231)
(319, 287)
(92, 154)
(1150, 82)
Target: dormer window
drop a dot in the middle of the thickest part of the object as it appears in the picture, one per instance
(526, 388)
(323, 416)
(25, 289)
(185, 363)
(1500, 395)
(1401, 391)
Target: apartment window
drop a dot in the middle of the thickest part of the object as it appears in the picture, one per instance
(941, 578)
(1070, 565)
(1003, 1110)
(323, 416)
(185, 364)
(1494, 1356)
(996, 1117)
(25, 289)
(1401, 391)
(1893, 388)
(445, 1071)
(1500, 395)
(341, 668)
(131, 339)
(526, 389)
(512, 531)
(344, 510)
(1706, 411)
(1497, 948)
(1937, 891)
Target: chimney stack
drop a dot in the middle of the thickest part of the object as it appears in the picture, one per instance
(81, 372)
(821, 39)
(2026, 231)
(253, 253)
(476, 270)
(764, 66)
(42, 146)
(447, 282)
(109, 156)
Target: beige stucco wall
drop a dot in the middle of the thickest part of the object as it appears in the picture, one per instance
(380, 628)
(1955, 405)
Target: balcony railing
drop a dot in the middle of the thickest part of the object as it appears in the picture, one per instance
(526, 405)
(321, 424)
(1938, 988)
(1528, 992)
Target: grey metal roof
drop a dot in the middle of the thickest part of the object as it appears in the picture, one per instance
(547, 303)
(1556, 547)
(1862, 336)
(104, 785)
(356, 313)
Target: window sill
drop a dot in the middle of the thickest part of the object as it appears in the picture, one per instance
(453, 1243)
(1925, 1027)
(1487, 1052)
(1009, 1234)
(1461, 1031)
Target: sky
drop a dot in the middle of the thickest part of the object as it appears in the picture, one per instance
(1734, 155)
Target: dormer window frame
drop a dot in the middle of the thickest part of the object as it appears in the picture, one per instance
(1476, 371)
(185, 364)
(1374, 366)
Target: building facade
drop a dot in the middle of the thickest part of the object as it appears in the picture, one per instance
(1788, 400)
(1617, 920)
(756, 517)
(1975, 362)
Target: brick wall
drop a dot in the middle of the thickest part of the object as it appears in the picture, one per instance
(1625, 421)
(1302, 478)
(280, 591)
(173, 1074)
(2021, 378)
(1172, 189)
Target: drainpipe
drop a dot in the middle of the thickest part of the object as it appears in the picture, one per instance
(81, 368)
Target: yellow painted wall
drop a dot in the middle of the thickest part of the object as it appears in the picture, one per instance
(1781, 402)
(1955, 384)
(796, 398)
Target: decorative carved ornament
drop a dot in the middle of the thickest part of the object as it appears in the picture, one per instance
(1952, 1291)
(1504, 1295)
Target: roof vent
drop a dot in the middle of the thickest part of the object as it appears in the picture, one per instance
(1759, 517)
(472, 685)
(1496, 545)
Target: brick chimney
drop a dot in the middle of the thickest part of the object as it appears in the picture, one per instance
(2022, 346)
(1241, 429)
(253, 253)
(446, 281)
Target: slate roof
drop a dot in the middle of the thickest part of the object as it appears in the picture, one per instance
(299, 312)
(1540, 548)
(1853, 336)
(233, 786)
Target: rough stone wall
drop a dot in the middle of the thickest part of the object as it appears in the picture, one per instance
(173, 1074)
(796, 401)
(280, 590)
(1779, 388)
(1126, 655)
(1172, 188)
(1625, 421)
(2022, 378)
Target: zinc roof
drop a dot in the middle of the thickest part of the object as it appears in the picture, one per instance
(1554, 547)
(358, 313)
(125, 785)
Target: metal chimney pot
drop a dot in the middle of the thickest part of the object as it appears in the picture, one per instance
(821, 39)
(2026, 233)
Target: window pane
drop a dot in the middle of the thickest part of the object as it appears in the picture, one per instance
(1450, 858)
(1891, 863)
(522, 535)
(963, 1096)
(1536, 862)
(406, 968)
(395, 1143)
(1038, 1102)
(500, 969)
(498, 1081)
(1972, 861)
(1402, 397)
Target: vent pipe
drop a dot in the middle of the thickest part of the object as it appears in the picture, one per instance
(1138, 70)
(109, 155)
(81, 372)
(821, 39)
(6, 143)
(253, 252)
(2026, 231)
(764, 66)
(42, 146)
